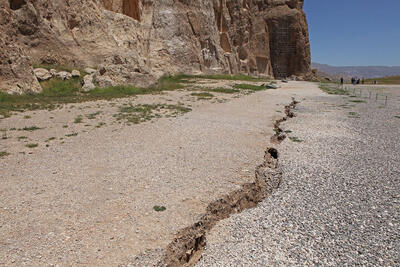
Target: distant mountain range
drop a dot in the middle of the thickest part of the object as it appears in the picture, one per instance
(360, 71)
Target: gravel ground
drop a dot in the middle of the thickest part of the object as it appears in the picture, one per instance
(85, 196)
(339, 201)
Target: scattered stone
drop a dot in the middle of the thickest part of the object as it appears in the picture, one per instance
(64, 75)
(103, 81)
(53, 72)
(88, 83)
(42, 74)
(90, 70)
(76, 73)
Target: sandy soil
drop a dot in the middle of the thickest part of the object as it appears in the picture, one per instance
(85, 195)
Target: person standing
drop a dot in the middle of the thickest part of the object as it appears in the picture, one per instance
(341, 81)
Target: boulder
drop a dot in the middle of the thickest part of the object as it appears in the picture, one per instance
(42, 74)
(90, 70)
(88, 83)
(103, 81)
(76, 73)
(53, 72)
(63, 75)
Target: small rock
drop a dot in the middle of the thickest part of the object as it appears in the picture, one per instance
(88, 83)
(103, 81)
(90, 70)
(64, 75)
(42, 74)
(76, 73)
(53, 72)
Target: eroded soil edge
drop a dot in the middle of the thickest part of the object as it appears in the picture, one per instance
(187, 247)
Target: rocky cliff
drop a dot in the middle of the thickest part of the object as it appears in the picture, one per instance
(137, 41)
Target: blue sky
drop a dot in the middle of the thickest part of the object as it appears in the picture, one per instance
(354, 32)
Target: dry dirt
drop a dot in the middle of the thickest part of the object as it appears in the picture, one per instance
(86, 197)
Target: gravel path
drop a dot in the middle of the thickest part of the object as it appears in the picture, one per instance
(88, 199)
(339, 201)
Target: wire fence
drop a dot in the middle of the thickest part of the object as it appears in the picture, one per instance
(373, 94)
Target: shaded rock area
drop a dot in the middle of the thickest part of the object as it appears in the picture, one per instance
(138, 41)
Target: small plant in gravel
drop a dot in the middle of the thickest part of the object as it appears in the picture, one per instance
(71, 135)
(202, 95)
(295, 139)
(27, 117)
(397, 116)
(31, 128)
(78, 119)
(333, 89)
(22, 138)
(101, 124)
(250, 87)
(50, 139)
(221, 90)
(4, 154)
(32, 145)
(159, 208)
(65, 126)
(93, 116)
(358, 101)
(145, 112)
(288, 131)
(4, 134)
(354, 115)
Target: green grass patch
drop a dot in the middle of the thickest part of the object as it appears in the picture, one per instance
(332, 89)
(78, 119)
(287, 131)
(146, 112)
(4, 154)
(385, 80)
(235, 77)
(93, 116)
(251, 87)
(202, 95)
(27, 117)
(358, 101)
(159, 208)
(31, 128)
(221, 90)
(32, 145)
(295, 139)
(22, 138)
(354, 115)
(57, 92)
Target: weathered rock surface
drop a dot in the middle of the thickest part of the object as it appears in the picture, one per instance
(88, 83)
(76, 73)
(42, 74)
(137, 41)
(63, 75)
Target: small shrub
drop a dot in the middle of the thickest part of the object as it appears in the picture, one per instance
(32, 145)
(159, 208)
(250, 87)
(78, 119)
(4, 154)
(295, 139)
(31, 129)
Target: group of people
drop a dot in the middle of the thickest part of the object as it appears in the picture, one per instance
(354, 80)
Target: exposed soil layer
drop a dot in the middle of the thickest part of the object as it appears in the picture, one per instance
(186, 248)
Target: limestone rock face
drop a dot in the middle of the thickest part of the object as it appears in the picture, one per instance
(137, 41)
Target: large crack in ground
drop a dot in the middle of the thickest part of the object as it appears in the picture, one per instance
(186, 249)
